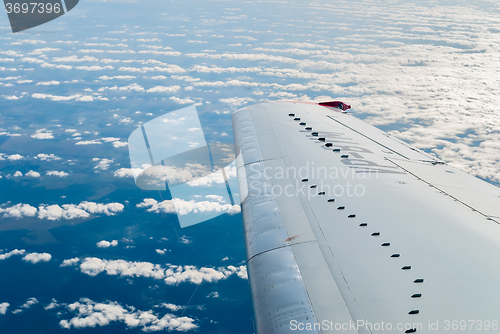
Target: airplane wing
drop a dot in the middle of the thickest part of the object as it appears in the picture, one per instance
(350, 230)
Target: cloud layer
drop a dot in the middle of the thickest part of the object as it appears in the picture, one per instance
(171, 274)
(93, 314)
(56, 212)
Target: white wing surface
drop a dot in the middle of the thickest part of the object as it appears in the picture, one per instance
(349, 230)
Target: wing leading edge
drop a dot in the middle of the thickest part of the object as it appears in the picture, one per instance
(350, 230)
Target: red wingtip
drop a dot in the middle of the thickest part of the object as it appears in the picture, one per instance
(335, 104)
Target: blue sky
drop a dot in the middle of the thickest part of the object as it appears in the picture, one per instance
(78, 250)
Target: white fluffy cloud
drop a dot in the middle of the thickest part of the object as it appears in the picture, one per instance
(91, 314)
(37, 257)
(106, 244)
(162, 174)
(89, 142)
(30, 302)
(171, 307)
(11, 253)
(4, 307)
(183, 207)
(33, 174)
(76, 97)
(19, 211)
(128, 172)
(171, 274)
(48, 83)
(42, 134)
(163, 89)
(237, 101)
(47, 157)
(56, 173)
(103, 164)
(13, 157)
(70, 262)
(56, 212)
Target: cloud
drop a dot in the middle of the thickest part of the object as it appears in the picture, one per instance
(118, 77)
(168, 69)
(4, 307)
(12, 97)
(94, 68)
(214, 294)
(57, 173)
(30, 302)
(208, 180)
(43, 134)
(15, 157)
(19, 211)
(237, 101)
(70, 262)
(183, 207)
(163, 89)
(128, 172)
(181, 101)
(103, 164)
(11, 253)
(93, 314)
(48, 83)
(47, 157)
(171, 307)
(166, 173)
(52, 305)
(74, 59)
(89, 142)
(18, 174)
(76, 97)
(33, 174)
(119, 144)
(106, 244)
(37, 257)
(171, 274)
(56, 212)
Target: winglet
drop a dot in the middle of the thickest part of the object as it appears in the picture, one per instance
(335, 104)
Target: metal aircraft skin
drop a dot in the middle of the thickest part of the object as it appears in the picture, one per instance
(350, 230)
